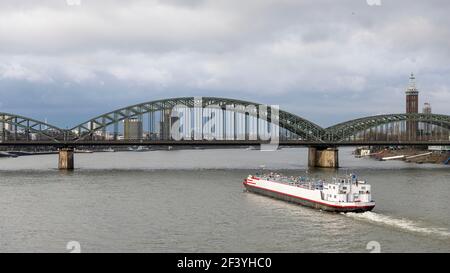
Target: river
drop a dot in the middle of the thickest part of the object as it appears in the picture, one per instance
(193, 201)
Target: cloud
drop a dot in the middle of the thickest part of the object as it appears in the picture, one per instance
(325, 60)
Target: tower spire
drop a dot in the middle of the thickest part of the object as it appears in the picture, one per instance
(412, 83)
(412, 88)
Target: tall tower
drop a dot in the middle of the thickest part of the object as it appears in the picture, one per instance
(412, 106)
(427, 110)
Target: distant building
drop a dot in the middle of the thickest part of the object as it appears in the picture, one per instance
(5, 130)
(439, 148)
(412, 106)
(132, 129)
(165, 125)
(426, 110)
(150, 135)
(8, 127)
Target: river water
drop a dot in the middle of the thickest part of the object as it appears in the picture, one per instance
(193, 201)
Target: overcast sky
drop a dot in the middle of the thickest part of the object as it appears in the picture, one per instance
(325, 60)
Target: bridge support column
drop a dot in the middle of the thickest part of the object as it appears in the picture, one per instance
(323, 157)
(65, 161)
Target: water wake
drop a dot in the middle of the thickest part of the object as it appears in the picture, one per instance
(400, 223)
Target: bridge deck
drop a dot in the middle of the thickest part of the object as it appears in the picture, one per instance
(219, 143)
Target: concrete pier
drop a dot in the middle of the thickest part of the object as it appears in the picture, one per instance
(323, 157)
(65, 161)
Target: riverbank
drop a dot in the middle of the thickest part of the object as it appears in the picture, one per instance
(413, 155)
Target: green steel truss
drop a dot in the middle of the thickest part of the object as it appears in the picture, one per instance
(306, 130)
(302, 127)
(28, 125)
(101, 122)
(342, 131)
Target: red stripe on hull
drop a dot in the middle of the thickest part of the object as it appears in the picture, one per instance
(335, 208)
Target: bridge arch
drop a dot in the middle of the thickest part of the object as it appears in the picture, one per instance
(305, 129)
(345, 130)
(21, 127)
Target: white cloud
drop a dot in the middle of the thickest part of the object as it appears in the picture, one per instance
(278, 50)
(19, 71)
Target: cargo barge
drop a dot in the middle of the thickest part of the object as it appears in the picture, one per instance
(345, 194)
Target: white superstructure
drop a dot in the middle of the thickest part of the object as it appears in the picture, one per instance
(340, 195)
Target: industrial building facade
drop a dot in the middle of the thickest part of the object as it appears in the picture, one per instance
(132, 129)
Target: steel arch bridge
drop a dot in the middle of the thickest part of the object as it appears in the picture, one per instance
(343, 131)
(18, 127)
(389, 128)
(307, 130)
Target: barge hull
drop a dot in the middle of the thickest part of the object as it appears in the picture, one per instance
(305, 202)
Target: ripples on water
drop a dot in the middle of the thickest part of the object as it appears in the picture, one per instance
(194, 201)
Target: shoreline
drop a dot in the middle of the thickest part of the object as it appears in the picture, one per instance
(410, 155)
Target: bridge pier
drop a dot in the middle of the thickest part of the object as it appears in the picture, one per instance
(65, 161)
(323, 157)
